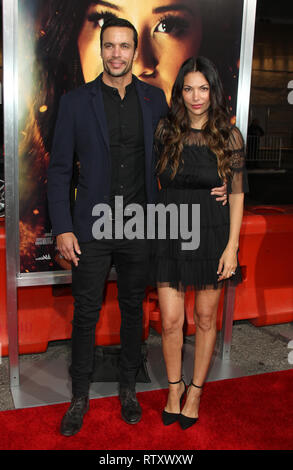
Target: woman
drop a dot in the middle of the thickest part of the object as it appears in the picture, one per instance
(198, 149)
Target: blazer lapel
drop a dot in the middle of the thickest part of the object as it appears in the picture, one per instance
(98, 105)
(147, 120)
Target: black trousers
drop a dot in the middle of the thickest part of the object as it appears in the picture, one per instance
(131, 260)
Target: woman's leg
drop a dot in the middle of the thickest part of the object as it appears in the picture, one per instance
(206, 307)
(172, 312)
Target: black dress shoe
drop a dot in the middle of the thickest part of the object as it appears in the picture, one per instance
(73, 419)
(130, 408)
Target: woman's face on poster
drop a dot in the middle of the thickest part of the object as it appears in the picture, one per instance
(169, 32)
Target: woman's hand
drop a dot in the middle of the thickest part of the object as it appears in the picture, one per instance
(221, 192)
(228, 263)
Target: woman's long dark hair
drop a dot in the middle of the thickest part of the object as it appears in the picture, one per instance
(173, 131)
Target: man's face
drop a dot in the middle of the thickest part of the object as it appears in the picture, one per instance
(118, 51)
(169, 33)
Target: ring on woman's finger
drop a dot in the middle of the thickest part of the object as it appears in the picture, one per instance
(232, 273)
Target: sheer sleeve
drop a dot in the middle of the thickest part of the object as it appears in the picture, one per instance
(238, 181)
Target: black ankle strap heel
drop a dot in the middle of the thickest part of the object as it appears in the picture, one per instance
(196, 386)
(185, 421)
(185, 388)
(178, 381)
(170, 418)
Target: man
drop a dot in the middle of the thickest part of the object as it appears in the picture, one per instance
(109, 124)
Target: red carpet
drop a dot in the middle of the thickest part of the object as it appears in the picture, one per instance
(254, 412)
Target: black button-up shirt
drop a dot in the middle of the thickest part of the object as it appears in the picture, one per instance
(126, 137)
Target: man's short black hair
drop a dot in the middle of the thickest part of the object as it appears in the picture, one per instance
(121, 23)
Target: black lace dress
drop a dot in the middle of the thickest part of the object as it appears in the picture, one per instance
(196, 268)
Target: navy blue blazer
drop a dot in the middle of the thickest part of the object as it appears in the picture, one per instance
(81, 129)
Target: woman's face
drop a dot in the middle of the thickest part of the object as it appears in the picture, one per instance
(196, 97)
(169, 32)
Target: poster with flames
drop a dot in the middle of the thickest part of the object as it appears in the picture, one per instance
(59, 49)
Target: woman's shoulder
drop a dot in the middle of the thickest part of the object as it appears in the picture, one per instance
(235, 139)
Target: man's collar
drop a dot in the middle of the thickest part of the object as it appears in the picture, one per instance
(131, 84)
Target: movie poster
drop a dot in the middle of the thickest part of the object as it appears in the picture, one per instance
(59, 50)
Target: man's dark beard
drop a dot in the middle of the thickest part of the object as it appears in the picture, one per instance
(121, 74)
